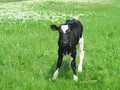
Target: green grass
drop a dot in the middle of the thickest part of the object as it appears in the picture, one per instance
(11, 0)
(28, 47)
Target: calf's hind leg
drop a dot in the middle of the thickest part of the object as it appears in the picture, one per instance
(81, 42)
(73, 65)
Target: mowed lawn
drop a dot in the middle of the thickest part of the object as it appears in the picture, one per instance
(28, 47)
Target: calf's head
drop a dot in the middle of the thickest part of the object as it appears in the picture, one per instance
(66, 35)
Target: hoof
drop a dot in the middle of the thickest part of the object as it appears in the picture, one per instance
(75, 77)
(55, 75)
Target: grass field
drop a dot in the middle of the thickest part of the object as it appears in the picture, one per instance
(28, 47)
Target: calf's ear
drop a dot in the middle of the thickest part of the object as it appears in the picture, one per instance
(54, 27)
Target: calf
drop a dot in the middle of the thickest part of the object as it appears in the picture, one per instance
(70, 34)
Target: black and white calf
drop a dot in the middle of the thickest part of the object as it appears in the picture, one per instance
(70, 34)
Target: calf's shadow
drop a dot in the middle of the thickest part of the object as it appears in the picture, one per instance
(65, 71)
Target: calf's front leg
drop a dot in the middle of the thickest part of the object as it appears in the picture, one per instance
(59, 63)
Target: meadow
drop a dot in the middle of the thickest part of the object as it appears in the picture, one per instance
(28, 47)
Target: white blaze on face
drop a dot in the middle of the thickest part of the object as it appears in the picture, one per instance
(64, 28)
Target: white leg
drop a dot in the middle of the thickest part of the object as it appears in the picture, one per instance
(55, 74)
(81, 42)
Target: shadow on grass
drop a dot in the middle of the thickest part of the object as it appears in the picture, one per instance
(65, 71)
